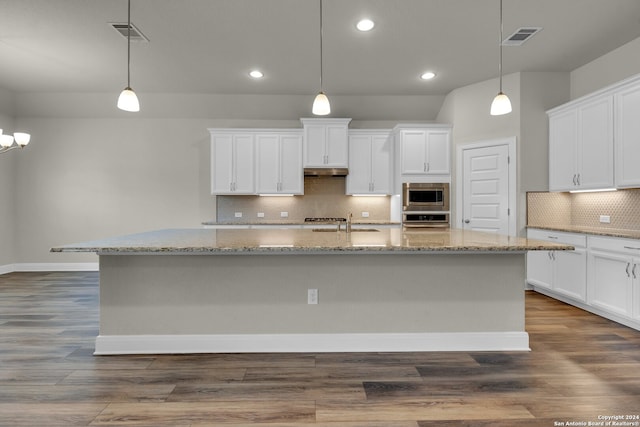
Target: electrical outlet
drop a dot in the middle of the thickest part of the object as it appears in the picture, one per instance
(284, 214)
(260, 214)
(365, 214)
(312, 296)
(605, 219)
(238, 214)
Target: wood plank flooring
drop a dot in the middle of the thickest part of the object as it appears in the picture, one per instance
(581, 367)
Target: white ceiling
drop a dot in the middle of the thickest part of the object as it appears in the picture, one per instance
(209, 46)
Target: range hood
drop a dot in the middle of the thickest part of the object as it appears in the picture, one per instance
(326, 171)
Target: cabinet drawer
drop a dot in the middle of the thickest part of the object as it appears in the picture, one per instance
(615, 244)
(558, 237)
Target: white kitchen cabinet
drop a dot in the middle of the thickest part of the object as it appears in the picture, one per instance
(627, 136)
(424, 151)
(614, 276)
(369, 162)
(232, 162)
(563, 272)
(325, 142)
(581, 145)
(279, 163)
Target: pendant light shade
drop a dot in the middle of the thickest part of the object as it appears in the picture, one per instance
(501, 103)
(321, 106)
(7, 141)
(128, 100)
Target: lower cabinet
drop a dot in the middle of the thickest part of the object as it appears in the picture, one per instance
(564, 272)
(602, 275)
(614, 276)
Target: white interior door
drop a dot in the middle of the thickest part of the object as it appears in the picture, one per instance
(485, 188)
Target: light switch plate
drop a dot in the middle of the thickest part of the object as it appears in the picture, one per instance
(238, 214)
(312, 296)
(365, 214)
(605, 219)
(284, 214)
(260, 214)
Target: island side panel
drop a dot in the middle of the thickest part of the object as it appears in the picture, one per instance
(267, 294)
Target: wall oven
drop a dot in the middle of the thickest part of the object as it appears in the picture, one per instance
(425, 204)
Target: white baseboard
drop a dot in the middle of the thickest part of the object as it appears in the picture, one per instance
(49, 266)
(311, 343)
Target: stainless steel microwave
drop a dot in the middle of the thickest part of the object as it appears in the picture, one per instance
(423, 196)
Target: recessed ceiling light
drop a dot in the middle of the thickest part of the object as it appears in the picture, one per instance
(428, 75)
(365, 25)
(256, 74)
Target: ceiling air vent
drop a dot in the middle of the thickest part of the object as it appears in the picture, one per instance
(520, 36)
(136, 34)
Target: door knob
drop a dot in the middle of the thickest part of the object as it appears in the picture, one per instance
(466, 221)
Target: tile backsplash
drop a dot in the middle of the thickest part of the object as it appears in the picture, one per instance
(584, 209)
(323, 197)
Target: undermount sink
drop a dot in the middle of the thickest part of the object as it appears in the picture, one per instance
(335, 230)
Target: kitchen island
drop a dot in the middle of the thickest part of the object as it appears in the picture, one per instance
(199, 290)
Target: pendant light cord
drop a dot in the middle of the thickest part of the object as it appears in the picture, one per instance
(129, 44)
(500, 44)
(321, 46)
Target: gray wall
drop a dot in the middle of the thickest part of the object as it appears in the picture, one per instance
(467, 109)
(7, 183)
(92, 171)
(608, 69)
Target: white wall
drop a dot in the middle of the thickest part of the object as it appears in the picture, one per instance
(608, 69)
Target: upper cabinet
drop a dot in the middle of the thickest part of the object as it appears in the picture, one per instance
(256, 161)
(326, 142)
(594, 141)
(423, 150)
(627, 120)
(232, 162)
(279, 162)
(370, 162)
(581, 145)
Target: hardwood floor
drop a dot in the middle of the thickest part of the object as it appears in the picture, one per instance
(581, 367)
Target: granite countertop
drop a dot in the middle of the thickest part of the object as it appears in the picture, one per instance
(298, 223)
(598, 231)
(282, 241)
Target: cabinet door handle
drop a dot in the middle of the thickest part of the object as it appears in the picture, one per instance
(553, 255)
(631, 247)
(574, 179)
(578, 179)
(424, 167)
(627, 269)
(633, 271)
(428, 166)
(549, 255)
(553, 237)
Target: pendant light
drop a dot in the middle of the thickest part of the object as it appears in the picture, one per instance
(321, 105)
(501, 103)
(7, 141)
(128, 101)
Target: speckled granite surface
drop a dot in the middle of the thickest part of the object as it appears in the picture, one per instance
(297, 223)
(612, 232)
(394, 240)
